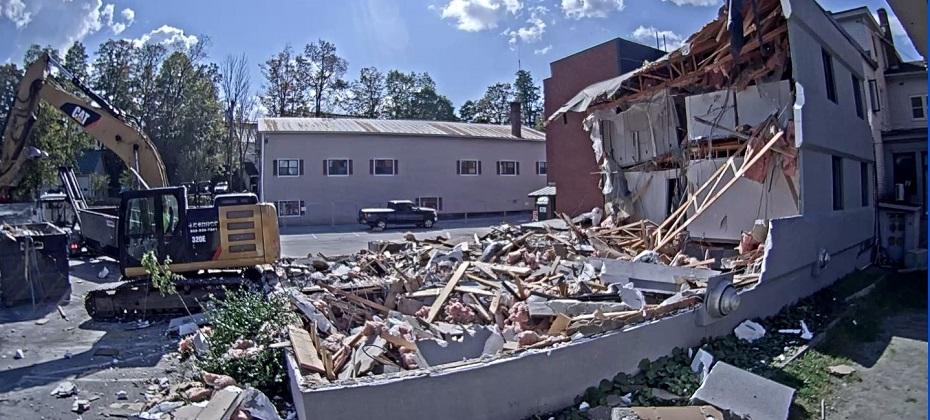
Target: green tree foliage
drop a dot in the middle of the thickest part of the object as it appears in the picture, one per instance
(468, 111)
(527, 93)
(494, 106)
(413, 96)
(284, 89)
(366, 97)
(188, 129)
(323, 70)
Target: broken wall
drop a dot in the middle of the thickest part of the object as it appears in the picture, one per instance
(642, 131)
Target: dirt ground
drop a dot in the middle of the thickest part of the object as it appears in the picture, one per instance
(891, 373)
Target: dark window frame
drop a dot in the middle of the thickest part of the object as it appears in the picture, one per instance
(857, 96)
(829, 75)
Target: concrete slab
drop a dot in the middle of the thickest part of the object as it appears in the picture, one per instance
(649, 277)
(744, 394)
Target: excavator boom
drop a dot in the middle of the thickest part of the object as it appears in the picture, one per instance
(105, 123)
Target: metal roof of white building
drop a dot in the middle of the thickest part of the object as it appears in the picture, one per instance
(394, 127)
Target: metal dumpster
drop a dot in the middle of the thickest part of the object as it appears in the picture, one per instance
(33, 264)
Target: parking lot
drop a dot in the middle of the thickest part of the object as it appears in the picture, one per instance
(298, 241)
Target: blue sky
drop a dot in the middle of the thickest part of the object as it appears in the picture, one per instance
(464, 44)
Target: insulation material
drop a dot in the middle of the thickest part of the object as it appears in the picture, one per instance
(642, 131)
(617, 197)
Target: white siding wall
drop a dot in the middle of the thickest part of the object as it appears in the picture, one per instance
(426, 168)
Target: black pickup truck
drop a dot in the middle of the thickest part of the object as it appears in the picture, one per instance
(398, 212)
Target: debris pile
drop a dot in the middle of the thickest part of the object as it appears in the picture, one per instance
(414, 304)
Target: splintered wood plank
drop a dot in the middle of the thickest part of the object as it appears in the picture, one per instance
(304, 350)
(446, 291)
(559, 324)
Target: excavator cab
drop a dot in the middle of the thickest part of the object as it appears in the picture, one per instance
(152, 220)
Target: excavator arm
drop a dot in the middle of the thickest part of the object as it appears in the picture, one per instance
(107, 124)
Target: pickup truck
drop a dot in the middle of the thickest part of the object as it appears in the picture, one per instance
(397, 212)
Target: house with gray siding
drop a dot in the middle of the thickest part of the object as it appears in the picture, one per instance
(324, 170)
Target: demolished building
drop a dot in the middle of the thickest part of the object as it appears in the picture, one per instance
(737, 179)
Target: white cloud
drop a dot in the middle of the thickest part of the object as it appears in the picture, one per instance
(647, 36)
(532, 32)
(129, 14)
(479, 15)
(59, 23)
(543, 51)
(695, 2)
(15, 11)
(577, 9)
(168, 36)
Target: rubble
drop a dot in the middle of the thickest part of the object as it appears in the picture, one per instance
(425, 302)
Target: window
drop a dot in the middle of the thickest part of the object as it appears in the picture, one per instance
(434, 203)
(828, 74)
(542, 168)
(382, 167)
(857, 96)
(873, 96)
(864, 182)
(288, 167)
(508, 167)
(291, 208)
(837, 183)
(337, 167)
(468, 167)
(919, 107)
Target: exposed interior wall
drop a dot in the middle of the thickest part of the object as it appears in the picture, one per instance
(641, 132)
(733, 213)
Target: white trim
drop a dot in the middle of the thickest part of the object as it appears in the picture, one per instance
(338, 175)
(502, 167)
(279, 167)
(923, 106)
(374, 168)
(299, 210)
(438, 198)
(537, 167)
(261, 170)
(462, 173)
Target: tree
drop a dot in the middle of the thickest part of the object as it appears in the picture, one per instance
(414, 96)
(146, 62)
(323, 70)
(494, 106)
(284, 89)
(189, 127)
(468, 111)
(239, 109)
(76, 60)
(527, 93)
(112, 71)
(367, 94)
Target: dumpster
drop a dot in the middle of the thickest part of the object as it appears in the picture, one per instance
(33, 264)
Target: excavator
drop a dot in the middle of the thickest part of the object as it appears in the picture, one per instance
(214, 247)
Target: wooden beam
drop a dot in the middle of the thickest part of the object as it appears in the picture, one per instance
(446, 291)
(352, 297)
(304, 350)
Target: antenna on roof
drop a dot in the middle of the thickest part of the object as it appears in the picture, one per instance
(658, 47)
(665, 43)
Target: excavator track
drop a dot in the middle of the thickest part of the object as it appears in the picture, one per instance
(138, 299)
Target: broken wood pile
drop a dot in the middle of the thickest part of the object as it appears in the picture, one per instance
(423, 303)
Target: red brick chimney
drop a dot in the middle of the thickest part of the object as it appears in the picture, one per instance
(516, 119)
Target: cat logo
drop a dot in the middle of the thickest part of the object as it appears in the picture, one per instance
(83, 116)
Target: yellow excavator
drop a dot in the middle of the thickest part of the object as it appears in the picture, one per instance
(212, 246)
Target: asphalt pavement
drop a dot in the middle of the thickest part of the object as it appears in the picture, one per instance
(299, 241)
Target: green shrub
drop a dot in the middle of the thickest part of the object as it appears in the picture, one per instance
(242, 314)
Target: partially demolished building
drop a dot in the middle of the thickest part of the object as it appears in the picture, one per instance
(738, 177)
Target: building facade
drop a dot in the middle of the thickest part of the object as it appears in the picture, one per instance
(323, 170)
(571, 160)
